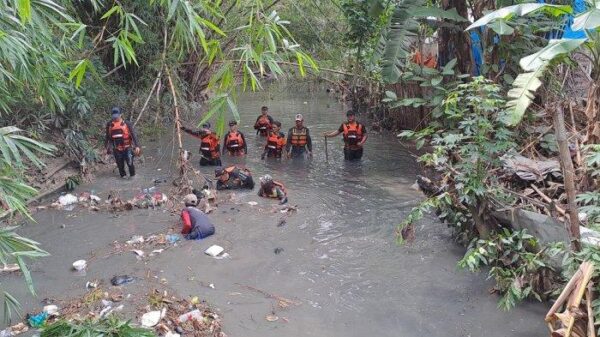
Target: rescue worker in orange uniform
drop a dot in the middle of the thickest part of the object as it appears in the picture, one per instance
(232, 178)
(298, 141)
(234, 142)
(210, 148)
(355, 136)
(121, 140)
(275, 142)
(270, 188)
(264, 122)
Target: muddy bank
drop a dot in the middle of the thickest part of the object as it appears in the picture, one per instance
(339, 264)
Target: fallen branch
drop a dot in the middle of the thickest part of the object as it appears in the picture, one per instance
(58, 169)
(266, 294)
(548, 200)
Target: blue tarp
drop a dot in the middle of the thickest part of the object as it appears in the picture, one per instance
(566, 33)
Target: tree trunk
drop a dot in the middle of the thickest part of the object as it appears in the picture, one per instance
(454, 41)
(566, 163)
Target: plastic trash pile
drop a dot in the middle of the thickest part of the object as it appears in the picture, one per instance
(69, 201)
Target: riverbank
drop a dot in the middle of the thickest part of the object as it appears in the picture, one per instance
(339, 261)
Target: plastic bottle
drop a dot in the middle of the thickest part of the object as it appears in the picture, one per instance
(149, 190)
(193, 315)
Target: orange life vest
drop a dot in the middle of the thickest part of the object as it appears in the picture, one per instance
(275, 142)
(234, 142)
(263, 123)
(353, 133)
(120, 135)
(299, 137)
(209, 145)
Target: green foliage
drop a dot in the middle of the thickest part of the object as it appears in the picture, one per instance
(72, 182)
(517, 264)
(17, 152)
(105, 327)
(439, 83)
(590, 201)
(467, 137)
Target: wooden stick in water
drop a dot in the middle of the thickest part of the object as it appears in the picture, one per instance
(326, 152)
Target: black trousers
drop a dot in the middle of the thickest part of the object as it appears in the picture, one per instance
(210, 162)
(122, 158)
(298, 151)
(353, 154)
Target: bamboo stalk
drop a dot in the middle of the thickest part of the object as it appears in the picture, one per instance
(149, 96)
(563, 295)
(574, 127)
(590, 312)
(177, 120)
(572, 226)
(587, 268)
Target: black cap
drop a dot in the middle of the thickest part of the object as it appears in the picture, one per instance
(115, 110)
(206, 125)
(350, 113)
(232, 122)
(278, 123)
(219, 171)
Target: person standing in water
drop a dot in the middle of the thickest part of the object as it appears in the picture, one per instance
(210, 148)
(275, 142)
(235, 142)
(355, 136)
(298, 141)
(121, 140)
(264, 122)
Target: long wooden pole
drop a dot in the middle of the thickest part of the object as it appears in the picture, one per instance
(326, 152)
(572, 226)
(177, 120)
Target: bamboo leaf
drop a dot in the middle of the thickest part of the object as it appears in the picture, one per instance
(24, 9)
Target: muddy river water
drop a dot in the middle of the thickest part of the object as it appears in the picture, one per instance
(339, 260)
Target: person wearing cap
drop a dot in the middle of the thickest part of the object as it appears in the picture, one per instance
(270, 188)
(196, 224)
(355, 136)
(210, 147)
(122, 141)
(275, 142)
(234, 141)
(233, 178)
(264, 122)
(298, 141)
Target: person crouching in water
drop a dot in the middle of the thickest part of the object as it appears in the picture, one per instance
(272, 189)
(232, 178)
(235, 142)
(275, 142)
(122, 142)
(196, 225)
(210, 149)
